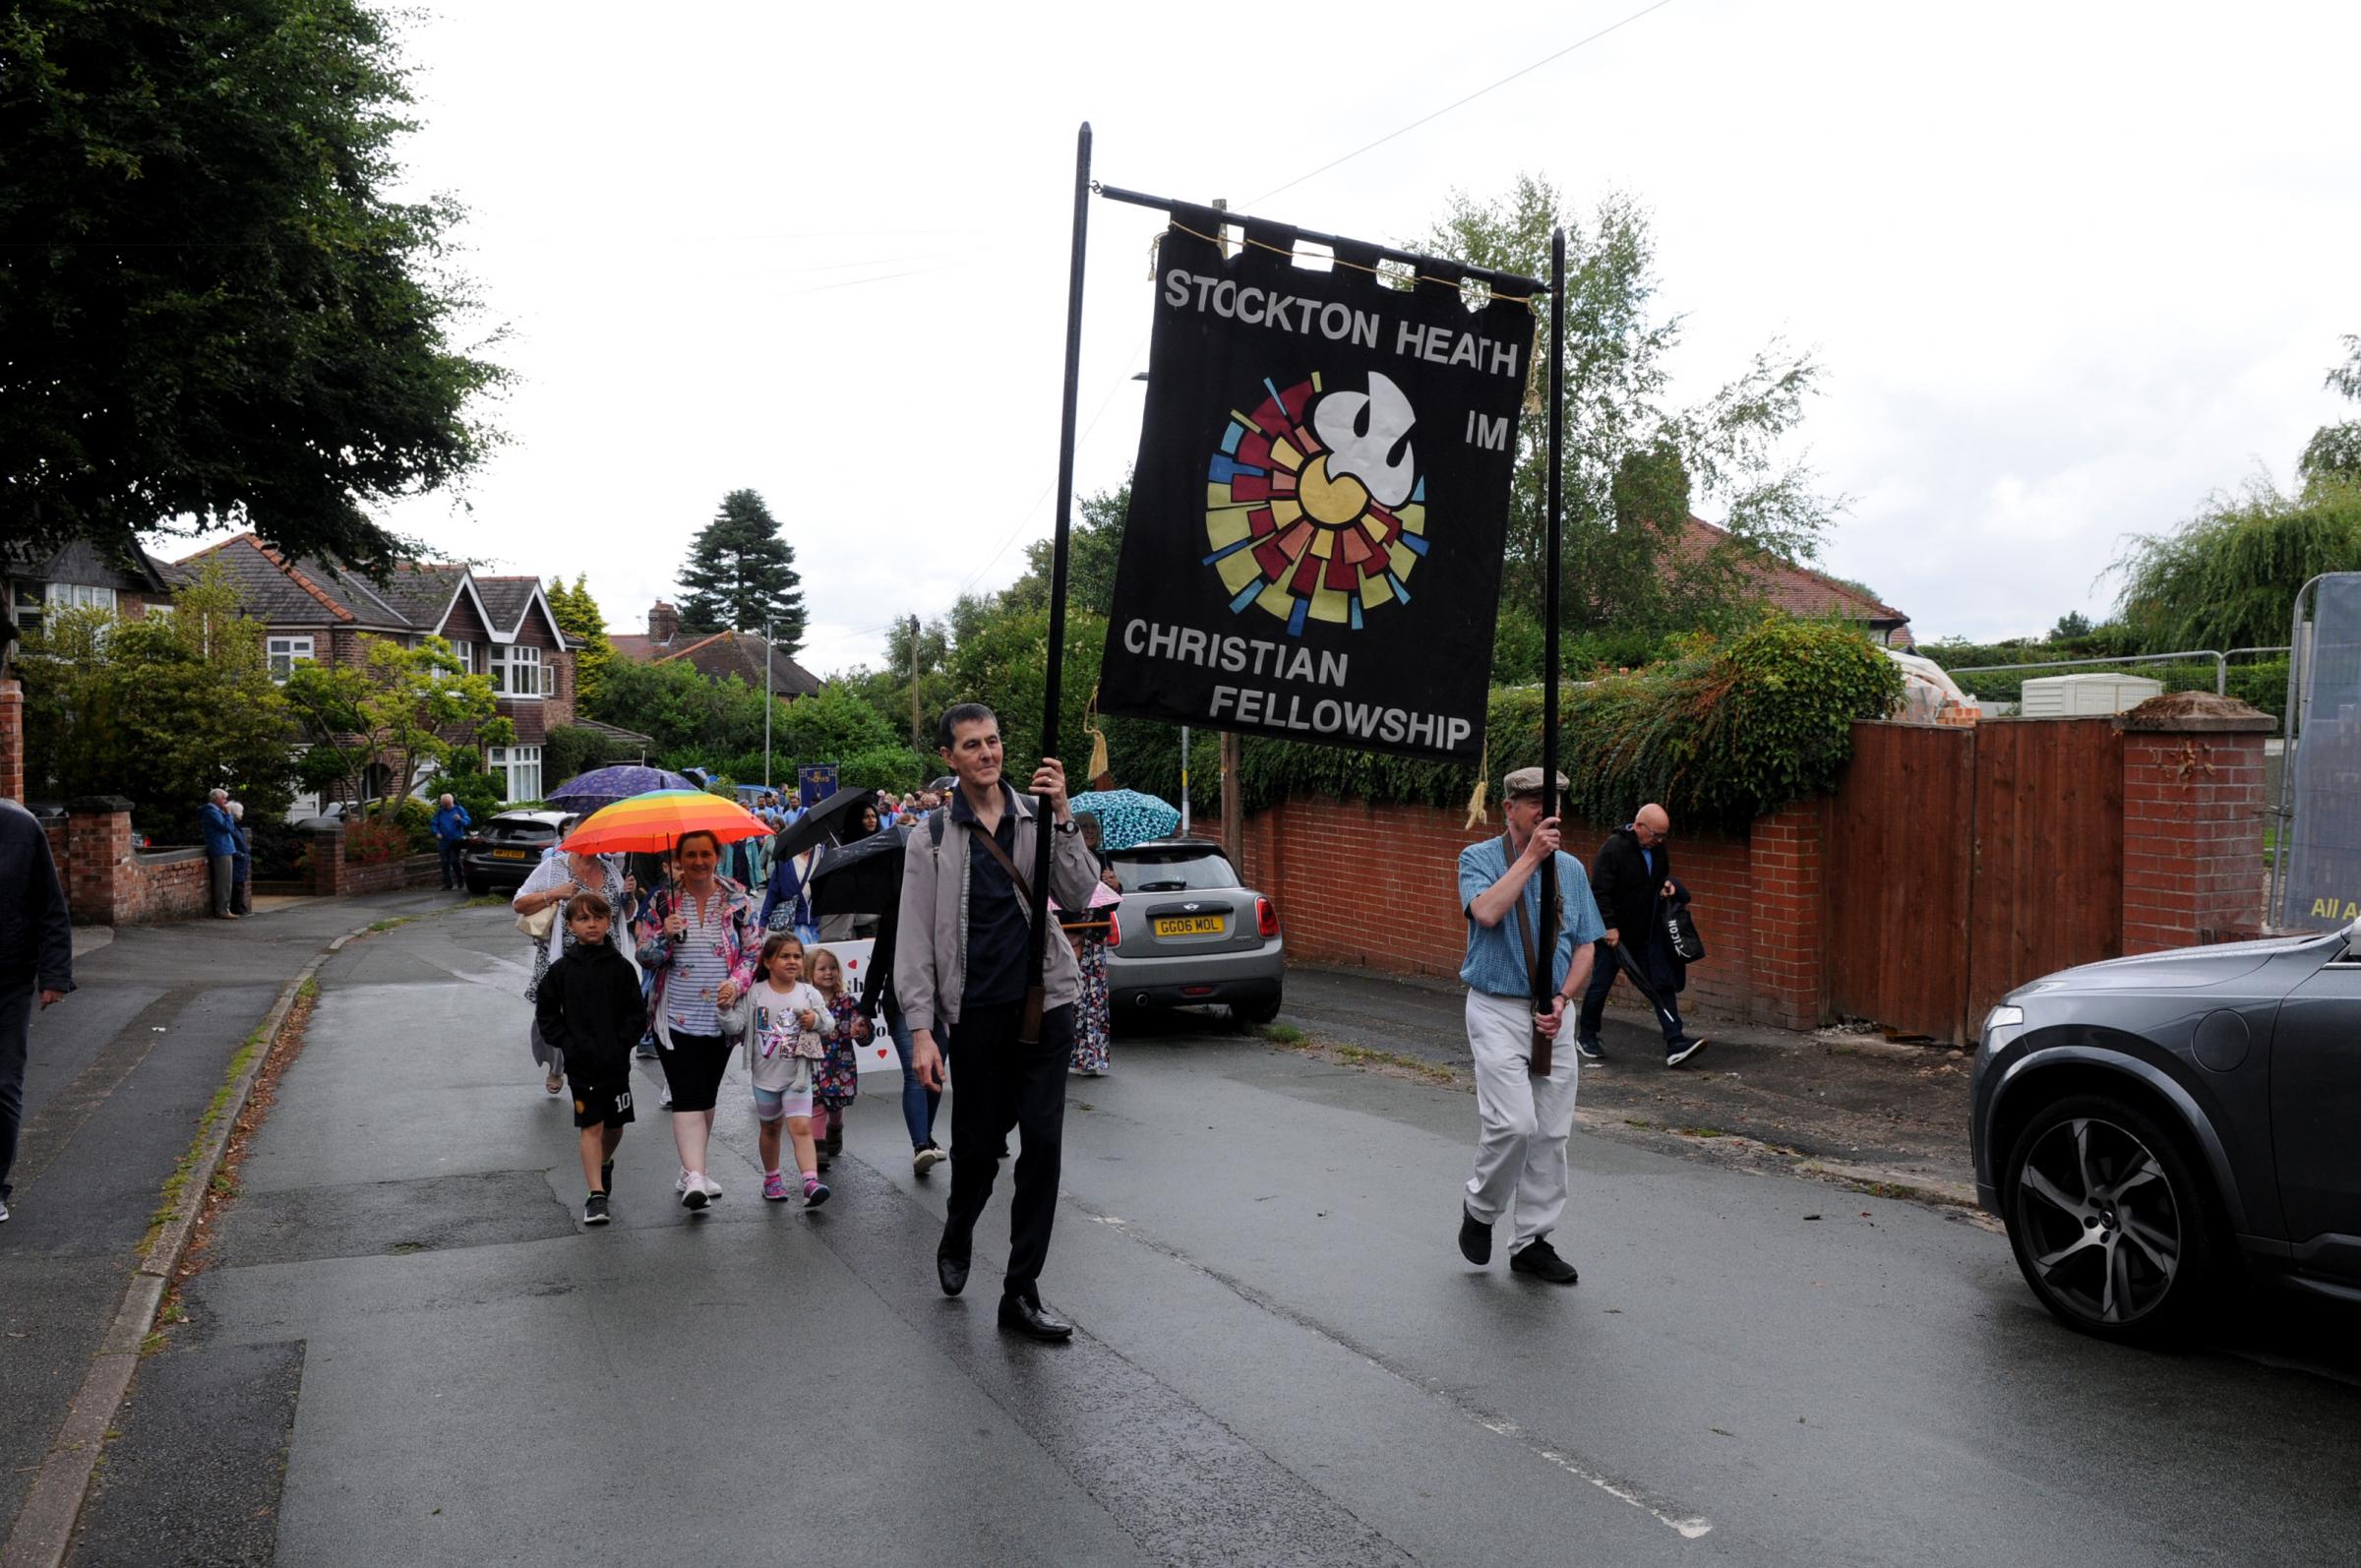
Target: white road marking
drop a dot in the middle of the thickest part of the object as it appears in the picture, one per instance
(1686, 1529)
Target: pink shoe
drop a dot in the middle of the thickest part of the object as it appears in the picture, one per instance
(775, 1187)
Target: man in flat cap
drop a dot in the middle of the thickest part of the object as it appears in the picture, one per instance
(1524, 1117)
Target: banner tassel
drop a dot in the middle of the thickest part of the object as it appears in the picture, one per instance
(1098, 769)
(1483, 779)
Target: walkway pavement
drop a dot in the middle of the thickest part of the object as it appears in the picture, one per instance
(406, 1349)
(118, 1075)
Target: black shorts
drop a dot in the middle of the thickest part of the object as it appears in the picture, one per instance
(602, 1105)
(692, 1068)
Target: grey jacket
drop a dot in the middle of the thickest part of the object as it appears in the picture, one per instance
(930, 956)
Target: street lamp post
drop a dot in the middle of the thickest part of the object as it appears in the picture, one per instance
(766, 701)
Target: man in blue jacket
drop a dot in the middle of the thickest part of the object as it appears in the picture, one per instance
(36, 953)
(450, 832)
(221, 851)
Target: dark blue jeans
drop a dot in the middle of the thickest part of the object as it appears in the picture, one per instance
(451, 862)
(919, 1103)
(1605, 968)
(16, 1020)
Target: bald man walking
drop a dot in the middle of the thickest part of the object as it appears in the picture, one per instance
(1632, 877)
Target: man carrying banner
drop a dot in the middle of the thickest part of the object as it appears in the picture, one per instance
(1524, 1120)
(960, 955)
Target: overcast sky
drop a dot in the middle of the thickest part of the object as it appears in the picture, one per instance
(2069, 268)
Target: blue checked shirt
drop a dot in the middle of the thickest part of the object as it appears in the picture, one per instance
(1495, 961)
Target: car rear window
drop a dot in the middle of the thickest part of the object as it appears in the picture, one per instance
(512, 830)
(1174, 872)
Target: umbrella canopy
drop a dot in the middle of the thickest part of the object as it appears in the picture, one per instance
(863, 878)
(652, 824)
(1127, 816)
(604, 786)
(828, 821)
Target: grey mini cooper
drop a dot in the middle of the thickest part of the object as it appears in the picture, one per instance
(2149, 1126)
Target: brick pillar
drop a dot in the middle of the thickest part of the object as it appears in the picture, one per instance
(328, 860)
(1789, 970)
(98, 847)
(11, 740)
(2193, 825)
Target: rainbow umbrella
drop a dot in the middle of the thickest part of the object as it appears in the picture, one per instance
(652, 824)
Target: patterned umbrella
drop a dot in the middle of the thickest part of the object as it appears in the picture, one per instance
(604, 786)
(653, 823)
(1127, 816)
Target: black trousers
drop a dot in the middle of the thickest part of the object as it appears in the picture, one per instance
(1000, 1085)
(1604, 969)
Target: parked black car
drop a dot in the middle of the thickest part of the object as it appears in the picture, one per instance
(2149, 1126)
(503, 852)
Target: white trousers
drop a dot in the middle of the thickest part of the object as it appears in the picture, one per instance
(1524, 1120)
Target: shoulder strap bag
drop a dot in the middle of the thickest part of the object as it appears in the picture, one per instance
(1028, 1029)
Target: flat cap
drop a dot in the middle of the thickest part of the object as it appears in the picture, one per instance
(1528, 781)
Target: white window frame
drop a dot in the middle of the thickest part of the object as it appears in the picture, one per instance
(518, 766)
(289, 649)
(464, 653)
(548, 676)
(510, 661)
(80, 596)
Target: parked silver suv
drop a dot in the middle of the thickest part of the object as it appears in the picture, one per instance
(1188, 932)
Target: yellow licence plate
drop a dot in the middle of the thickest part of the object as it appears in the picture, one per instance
(1190, 926)
(509, 854)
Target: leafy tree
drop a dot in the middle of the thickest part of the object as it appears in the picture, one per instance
(1635, 465)
(217, 314)
(159, 711)
(741, 573)
(2072, 627)
(2229, 577)
(585, 627)
(394, 708)
(1094, 547)
(694, 721)
(2334, 450)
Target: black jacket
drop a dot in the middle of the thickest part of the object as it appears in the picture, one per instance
(591, 1009)
(37, 936)
(1624, 888)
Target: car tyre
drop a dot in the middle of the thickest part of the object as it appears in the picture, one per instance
(478, 886)
(1246, 1013)
(2113, 1220)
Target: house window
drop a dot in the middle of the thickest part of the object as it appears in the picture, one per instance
(515, 671)
(283, 652)
(464, 653)
(519, 769)
(549, 678)
(28, 607)
(79, 596)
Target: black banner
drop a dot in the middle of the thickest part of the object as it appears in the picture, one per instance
(1320, 502)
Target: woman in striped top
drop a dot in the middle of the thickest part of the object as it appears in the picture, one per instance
(697, 938)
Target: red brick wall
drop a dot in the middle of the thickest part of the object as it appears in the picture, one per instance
(1377, 887)
(109, 883)
(334, 876)
(12, 740)
(2193, 811)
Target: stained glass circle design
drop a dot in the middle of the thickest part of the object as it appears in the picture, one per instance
(1291, 537)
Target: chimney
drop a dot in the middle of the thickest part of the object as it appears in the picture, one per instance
(663, 623)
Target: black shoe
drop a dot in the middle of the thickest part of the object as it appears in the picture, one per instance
(1022, 1317)
(819, 1156)
(1540, 1260)
(951, 1271)
(1683, 1051)
(834, 1142)
(1590, 1050)
(1475, 1239)
(594, 1209)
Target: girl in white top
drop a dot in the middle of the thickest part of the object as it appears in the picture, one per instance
(784, 1023)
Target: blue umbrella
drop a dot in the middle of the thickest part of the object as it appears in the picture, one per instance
(604, 786)
(1127, 816)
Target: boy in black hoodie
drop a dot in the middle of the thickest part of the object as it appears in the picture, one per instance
(590, 1009)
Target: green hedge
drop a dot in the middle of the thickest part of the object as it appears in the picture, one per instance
(2263, 684)
(1720, 732)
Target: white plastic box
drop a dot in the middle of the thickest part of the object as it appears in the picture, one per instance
(2073, 696)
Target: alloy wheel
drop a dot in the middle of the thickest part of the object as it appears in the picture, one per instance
(2102, 1229)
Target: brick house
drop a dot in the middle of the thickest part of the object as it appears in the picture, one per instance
(717, 655)
(500, 626)
(1814, 595)
(37, 584)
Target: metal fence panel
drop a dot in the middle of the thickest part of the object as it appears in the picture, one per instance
(2324, 837)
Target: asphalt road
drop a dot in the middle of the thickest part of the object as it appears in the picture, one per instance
(1283, 1358)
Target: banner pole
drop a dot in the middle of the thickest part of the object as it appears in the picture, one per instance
(1052, 695)
(1542, 981)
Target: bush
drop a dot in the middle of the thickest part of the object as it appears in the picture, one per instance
(412, 819)
(1719, 734)
(376, 838)
(569, 750)
(465, 780)
(2263, 684)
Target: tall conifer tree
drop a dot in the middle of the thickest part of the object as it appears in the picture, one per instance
(740, 574)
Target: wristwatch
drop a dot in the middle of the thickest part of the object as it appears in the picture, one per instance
(1069, 825)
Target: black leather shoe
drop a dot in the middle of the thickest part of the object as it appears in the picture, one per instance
(1475, 1239)
(1020, 1316)
(953, 1272)
(1540, 1260)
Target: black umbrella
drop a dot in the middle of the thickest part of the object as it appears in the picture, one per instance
(863, 878)
(827, 821)
(1647, 989)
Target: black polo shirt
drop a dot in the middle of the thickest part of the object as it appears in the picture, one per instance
(998, 937)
